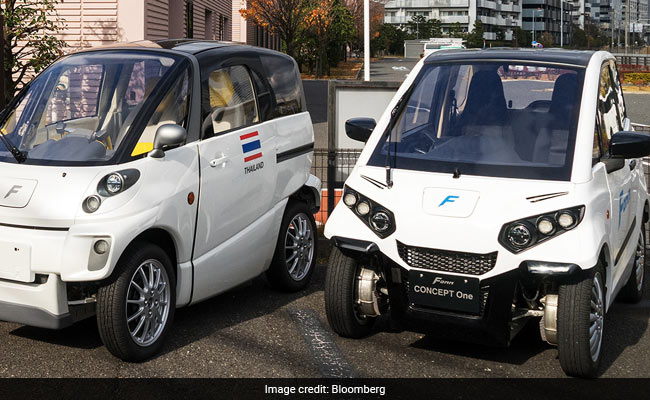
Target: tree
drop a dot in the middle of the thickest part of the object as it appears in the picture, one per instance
(284, 17)
(423, 28)
(522, 38)
(376, 18)
(475, 37)
(456, 31)
(390, 38)
(546, 39)
(501, 34)
(579, 38)
(30, 44)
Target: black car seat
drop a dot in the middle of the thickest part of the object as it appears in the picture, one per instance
(483, 129)
(553, 132)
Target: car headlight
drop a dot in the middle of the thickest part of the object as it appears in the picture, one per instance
(92, 203)
(117, 182)
(525, 233)
(377, 217)
(114, 183)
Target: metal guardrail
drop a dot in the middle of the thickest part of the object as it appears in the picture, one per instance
(633, 59)
(641, 127)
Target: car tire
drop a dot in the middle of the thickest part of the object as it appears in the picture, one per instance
(581, 310)
(133, 319)
(295, 251)
(632, 292)
(340, 297)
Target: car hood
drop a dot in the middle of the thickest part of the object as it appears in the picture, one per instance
(43, 196)
(435, 207)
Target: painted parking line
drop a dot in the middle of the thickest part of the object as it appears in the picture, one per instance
(326, 354)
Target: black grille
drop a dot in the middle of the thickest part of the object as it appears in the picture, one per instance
(447, 261)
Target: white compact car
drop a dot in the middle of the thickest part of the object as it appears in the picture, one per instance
(498, 187)
(150, 176)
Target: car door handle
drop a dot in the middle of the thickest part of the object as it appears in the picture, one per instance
(632, 165)
(218, 161)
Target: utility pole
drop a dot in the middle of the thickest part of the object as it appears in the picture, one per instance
(366, 40)
(3, 89)
(627, 24)
(612, 19)
(561, 23)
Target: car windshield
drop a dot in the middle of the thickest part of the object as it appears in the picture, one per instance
(80, 109)
(515, 120)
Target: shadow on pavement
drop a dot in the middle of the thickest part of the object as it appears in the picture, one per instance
(251, 300)
(527, 344)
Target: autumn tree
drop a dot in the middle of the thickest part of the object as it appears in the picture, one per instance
(376, 18)
(30, 44)
(283, 17)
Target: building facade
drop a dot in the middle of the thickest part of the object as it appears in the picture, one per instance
(499, 17)
(552, 16)
(102, 22)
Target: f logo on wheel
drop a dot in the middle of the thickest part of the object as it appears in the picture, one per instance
(14, 189)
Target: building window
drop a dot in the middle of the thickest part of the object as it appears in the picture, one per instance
(189, 18)
(209, 25)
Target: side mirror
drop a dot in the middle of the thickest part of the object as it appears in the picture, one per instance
(167, 135)
(359, 128)
(629, 145)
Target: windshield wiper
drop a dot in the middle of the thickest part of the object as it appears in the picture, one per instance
(391, 125)
(20, 156)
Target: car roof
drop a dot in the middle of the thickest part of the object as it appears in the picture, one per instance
(188, 46)
(556, 56)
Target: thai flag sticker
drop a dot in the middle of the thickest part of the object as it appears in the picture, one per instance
(250, 147)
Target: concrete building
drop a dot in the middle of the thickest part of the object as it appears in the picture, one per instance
(101, 22)
(553, 16)
(497, 16)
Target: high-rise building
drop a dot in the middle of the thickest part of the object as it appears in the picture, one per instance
(552, 16)
(497, 16)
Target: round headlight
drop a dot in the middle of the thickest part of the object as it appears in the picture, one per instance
(114, 183)
(566, 219)
(350, 199)
(380, 221)
(92, 203)
(545, 226)
(101, 246)
(363, 208)
(519, 235)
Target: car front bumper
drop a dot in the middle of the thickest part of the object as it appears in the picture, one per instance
(43, 304)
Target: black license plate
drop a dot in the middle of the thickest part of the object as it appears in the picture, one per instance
(446, 292)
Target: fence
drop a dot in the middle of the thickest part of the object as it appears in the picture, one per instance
(332, 167)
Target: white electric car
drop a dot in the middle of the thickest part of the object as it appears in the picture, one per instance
(499, 186)
(149, 176)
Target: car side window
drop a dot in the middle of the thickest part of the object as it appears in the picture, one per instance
(608, 113)
(616, 83)
(232, 102)
(173, 109)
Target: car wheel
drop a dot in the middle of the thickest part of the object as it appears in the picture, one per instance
(136, 308)
(633, 290)
(341, 297)
(581, 316)
(295, 252)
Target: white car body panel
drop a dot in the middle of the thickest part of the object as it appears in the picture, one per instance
(473, 224)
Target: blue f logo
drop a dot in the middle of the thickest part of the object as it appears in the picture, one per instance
(448, 199)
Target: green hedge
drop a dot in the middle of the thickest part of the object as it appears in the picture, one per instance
(637, 78)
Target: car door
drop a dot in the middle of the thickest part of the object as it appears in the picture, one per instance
(237, 163)
(619, 176)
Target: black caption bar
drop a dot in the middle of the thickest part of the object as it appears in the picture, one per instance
(408, 389)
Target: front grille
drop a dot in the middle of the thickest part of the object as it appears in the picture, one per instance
(447, 261)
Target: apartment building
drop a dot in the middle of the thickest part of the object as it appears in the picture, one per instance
(102, 22)
(497, 16)
(552, 16)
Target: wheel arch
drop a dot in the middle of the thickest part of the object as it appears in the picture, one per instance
(309, 193)
(162, 238)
